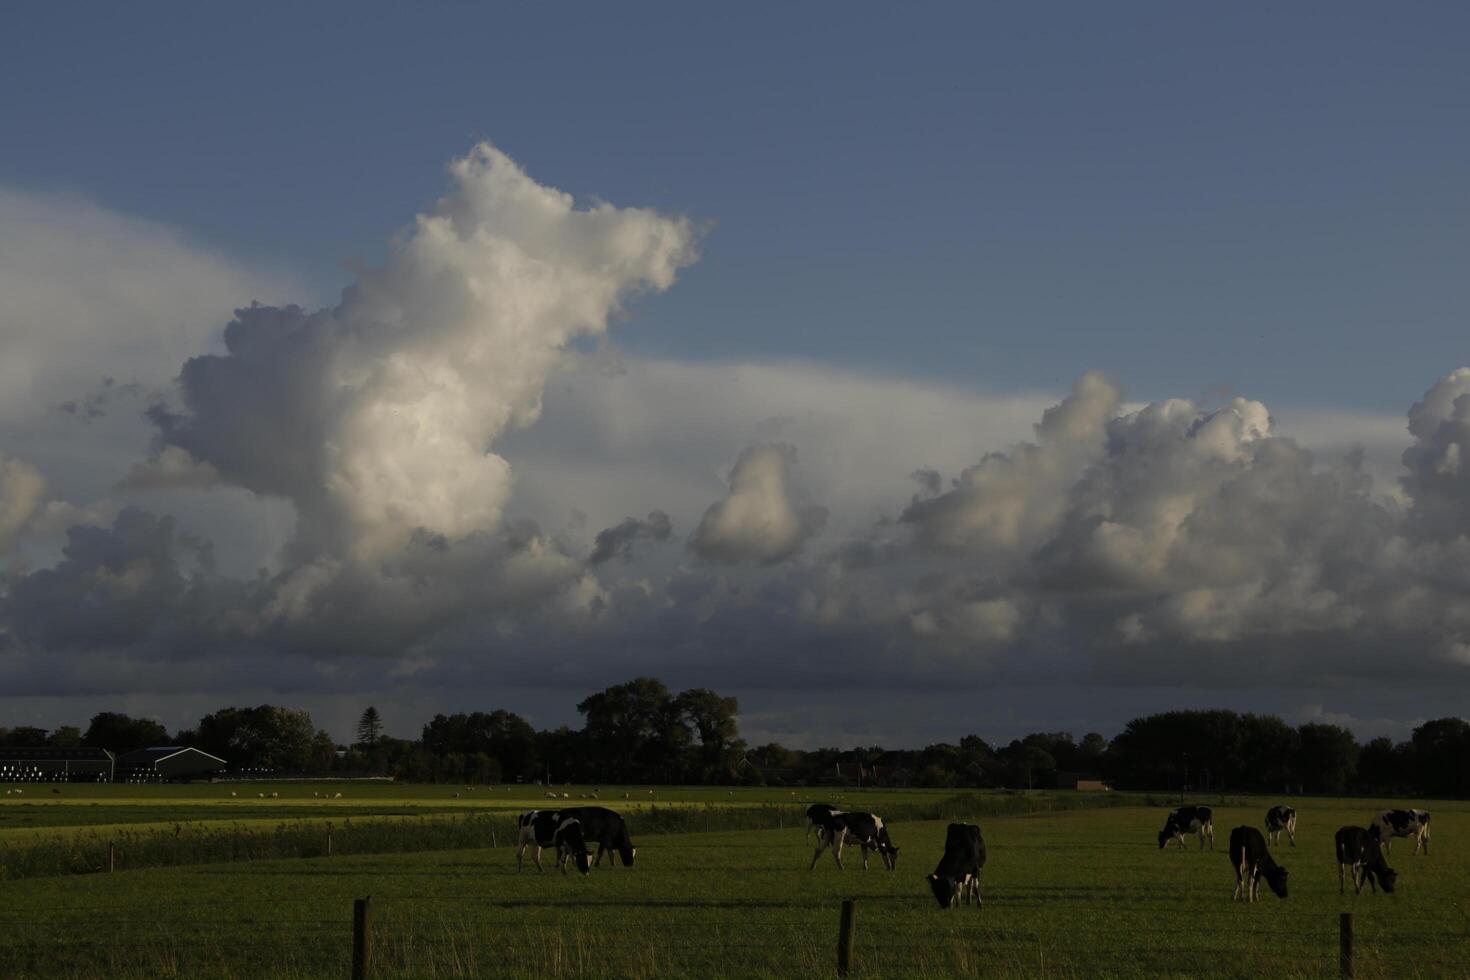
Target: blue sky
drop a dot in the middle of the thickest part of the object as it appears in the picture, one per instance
(1259, 199)
(919, 229)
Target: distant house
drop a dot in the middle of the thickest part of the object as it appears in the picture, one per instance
(165, 763)
(45, 764)
(1082, 781)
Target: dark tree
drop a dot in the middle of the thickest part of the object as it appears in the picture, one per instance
(712, 721)
(120, 733)
(634, 732)
(1327, 757)
(267, 737)
(1382, 767)
(66, 737)
(369, 727)
(22, 736)
(1441, 757)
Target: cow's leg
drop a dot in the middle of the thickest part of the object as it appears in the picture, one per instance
(520, 853)
(1422, 838)
(865, 855)
(976, 885)
(838, 839)
(1210, 832)
(1239, 880)
(822, 843)
(1291, 831)
(537, 856)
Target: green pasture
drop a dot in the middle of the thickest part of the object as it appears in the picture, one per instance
(1081, 893)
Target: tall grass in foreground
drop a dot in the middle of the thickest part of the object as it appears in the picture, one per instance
(87, 851)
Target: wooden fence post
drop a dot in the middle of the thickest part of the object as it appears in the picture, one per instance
(845, 934)
(329, 842)
(1345, 943)
(361, 938)
(111, 856)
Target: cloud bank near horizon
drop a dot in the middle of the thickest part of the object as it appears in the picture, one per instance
(434, 485)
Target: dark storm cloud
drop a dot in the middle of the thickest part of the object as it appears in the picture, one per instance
(617, 541)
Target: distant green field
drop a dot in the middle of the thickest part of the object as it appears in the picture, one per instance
(1082, 893)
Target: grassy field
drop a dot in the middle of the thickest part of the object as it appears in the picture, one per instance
(1078, 893)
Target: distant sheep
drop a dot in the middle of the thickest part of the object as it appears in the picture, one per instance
(337, 797)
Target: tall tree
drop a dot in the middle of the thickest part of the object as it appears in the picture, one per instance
(266, 736)
(120, 733)
(712, 719)
(634, 731)
(369, 727)
(1327, 757)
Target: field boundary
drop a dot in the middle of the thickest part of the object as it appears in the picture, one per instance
(92, 852)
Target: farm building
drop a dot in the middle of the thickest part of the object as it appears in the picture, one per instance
(1082, 781)
(167, 762)
(45, 764)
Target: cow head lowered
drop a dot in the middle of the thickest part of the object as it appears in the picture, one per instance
(1275, 877)
(946, 890)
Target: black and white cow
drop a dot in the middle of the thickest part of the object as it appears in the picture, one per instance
(817, 816)
(864, 829)
(1251, 859)
(1281, 817)
(606, 829)
(1189, 820)
(1358, 850)
(1401, 823)
(552, 828)
(958, 873)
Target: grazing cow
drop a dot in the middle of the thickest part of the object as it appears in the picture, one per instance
(958, 873)
(816, 817)
(607, 829)
(864, 829)
(1189, 820)
(1358, 850)
(1401, 823)
(1250, 859)
(1281, 817)
(553, 828)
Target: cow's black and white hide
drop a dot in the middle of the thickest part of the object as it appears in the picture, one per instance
(1281, 818)
(556, 829)
(958, 873)
(1401, 823)
(1189, 820)
(1359, 851)
(863, 829)
(817, 816)
(607, 830)
(1251, 860)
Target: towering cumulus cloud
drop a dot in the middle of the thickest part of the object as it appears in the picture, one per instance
(377, 417)
(761, 519)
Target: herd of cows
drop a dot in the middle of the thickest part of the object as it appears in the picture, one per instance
(1360, 851)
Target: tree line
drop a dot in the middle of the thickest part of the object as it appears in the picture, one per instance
(641, 732)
